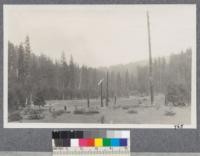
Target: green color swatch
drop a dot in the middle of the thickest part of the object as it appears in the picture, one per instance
(106, 142)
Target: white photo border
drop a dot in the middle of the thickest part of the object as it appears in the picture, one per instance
(7, 124)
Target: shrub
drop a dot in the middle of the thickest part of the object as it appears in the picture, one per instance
(79, 111)
(14, 117)
(91, 111)
(132, 111)
(116, 107)
(57, 113)
(39, 99)
(102, 119)
(177, 94)
(125, 107)
(130, 106)
(28, 110)
(170, 113)
(35, 114)
(86, 111)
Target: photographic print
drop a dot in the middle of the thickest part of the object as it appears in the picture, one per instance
(100, 66)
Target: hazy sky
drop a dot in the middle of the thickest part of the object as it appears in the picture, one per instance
(102, 35)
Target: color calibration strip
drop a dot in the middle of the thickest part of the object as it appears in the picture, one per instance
(91, 143)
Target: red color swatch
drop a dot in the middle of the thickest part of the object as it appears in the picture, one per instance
(86, 142)
(90, 142)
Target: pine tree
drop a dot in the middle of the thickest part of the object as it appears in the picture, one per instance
(21, 93)
(27, 67)
(72, 76)
(119, 84)
(127, 83)
(64, 75)
(21, 64)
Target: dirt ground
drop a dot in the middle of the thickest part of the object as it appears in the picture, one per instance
(132, 110)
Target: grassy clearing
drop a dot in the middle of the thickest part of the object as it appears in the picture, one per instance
(133, 110)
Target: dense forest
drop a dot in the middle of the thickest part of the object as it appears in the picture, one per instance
(31, 76)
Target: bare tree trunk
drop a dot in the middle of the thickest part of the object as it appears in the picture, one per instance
(107, 92)
(101, 94)
(88, 100)
(26, 102)
(150, 62)
(63, 96)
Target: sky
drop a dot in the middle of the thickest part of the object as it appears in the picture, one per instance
(102, 35)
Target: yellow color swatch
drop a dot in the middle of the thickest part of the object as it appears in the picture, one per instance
(98, 142)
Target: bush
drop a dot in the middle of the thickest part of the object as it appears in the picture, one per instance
(170, 113)
(125, 107)
(16, 99)
(116, 107)
(14, 117)
(28, 110)
(177, 94)
(79, 111)
(130, 106)
(91, 112)
(132, 111)
(102, 119)
(86, 111)
(35, 114)
(39, 99)
(57, 113)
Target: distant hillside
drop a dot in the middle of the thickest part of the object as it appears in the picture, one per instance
(131, 67)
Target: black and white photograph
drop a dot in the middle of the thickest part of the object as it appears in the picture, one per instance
(100, 66)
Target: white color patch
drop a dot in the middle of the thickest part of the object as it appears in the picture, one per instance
(74, 143)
